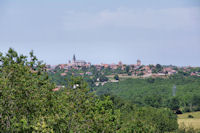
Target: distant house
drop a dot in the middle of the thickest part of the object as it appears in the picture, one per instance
(105, 65)
(63, 74)
(169, 70)
(62, 66)
(120, 63)
(113, 66)
(81, 74)
(193, 74)
(147, 68)
(56, 89)
(89, 73)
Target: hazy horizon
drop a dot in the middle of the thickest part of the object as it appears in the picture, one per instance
(156, 31)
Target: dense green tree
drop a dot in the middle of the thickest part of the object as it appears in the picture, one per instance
(129, 73)
(158, 67)
(25, 92)
(116, 77)
(154, 100)
(127, 69)
(174, 103)
(28, 104)
(103, 78)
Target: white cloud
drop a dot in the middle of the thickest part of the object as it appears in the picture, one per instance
(161, 19)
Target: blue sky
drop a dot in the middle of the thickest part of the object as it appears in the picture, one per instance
(108, 31)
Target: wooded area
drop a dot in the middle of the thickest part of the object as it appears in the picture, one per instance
(28, 104)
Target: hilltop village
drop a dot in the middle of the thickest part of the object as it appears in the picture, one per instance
(113, 72)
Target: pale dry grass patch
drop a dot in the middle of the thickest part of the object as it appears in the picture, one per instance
(190, 122)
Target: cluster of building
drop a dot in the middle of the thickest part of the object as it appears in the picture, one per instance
(188, 70)
(116, 66)
(133, 70)
(75, 64)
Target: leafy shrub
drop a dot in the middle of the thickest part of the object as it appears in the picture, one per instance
(116, 77)
(190, 116)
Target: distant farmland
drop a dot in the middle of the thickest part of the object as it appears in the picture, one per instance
(190, 122)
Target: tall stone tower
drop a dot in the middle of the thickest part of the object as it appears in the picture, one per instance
(139, 62)
(74, 58)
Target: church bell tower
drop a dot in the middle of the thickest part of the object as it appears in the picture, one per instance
(74, 58)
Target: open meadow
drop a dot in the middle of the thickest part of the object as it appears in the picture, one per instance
(190, 122)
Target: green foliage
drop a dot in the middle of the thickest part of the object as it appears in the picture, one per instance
(116, 77)
(190, 116)
(127, 69)
(174, 103)
(28, 104)
(21, 81)
(157, 92)
(144, 119)
(103, 78)
(78, 110)
(162, 119)
(158, 68)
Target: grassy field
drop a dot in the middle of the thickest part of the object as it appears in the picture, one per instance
(190, 122)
